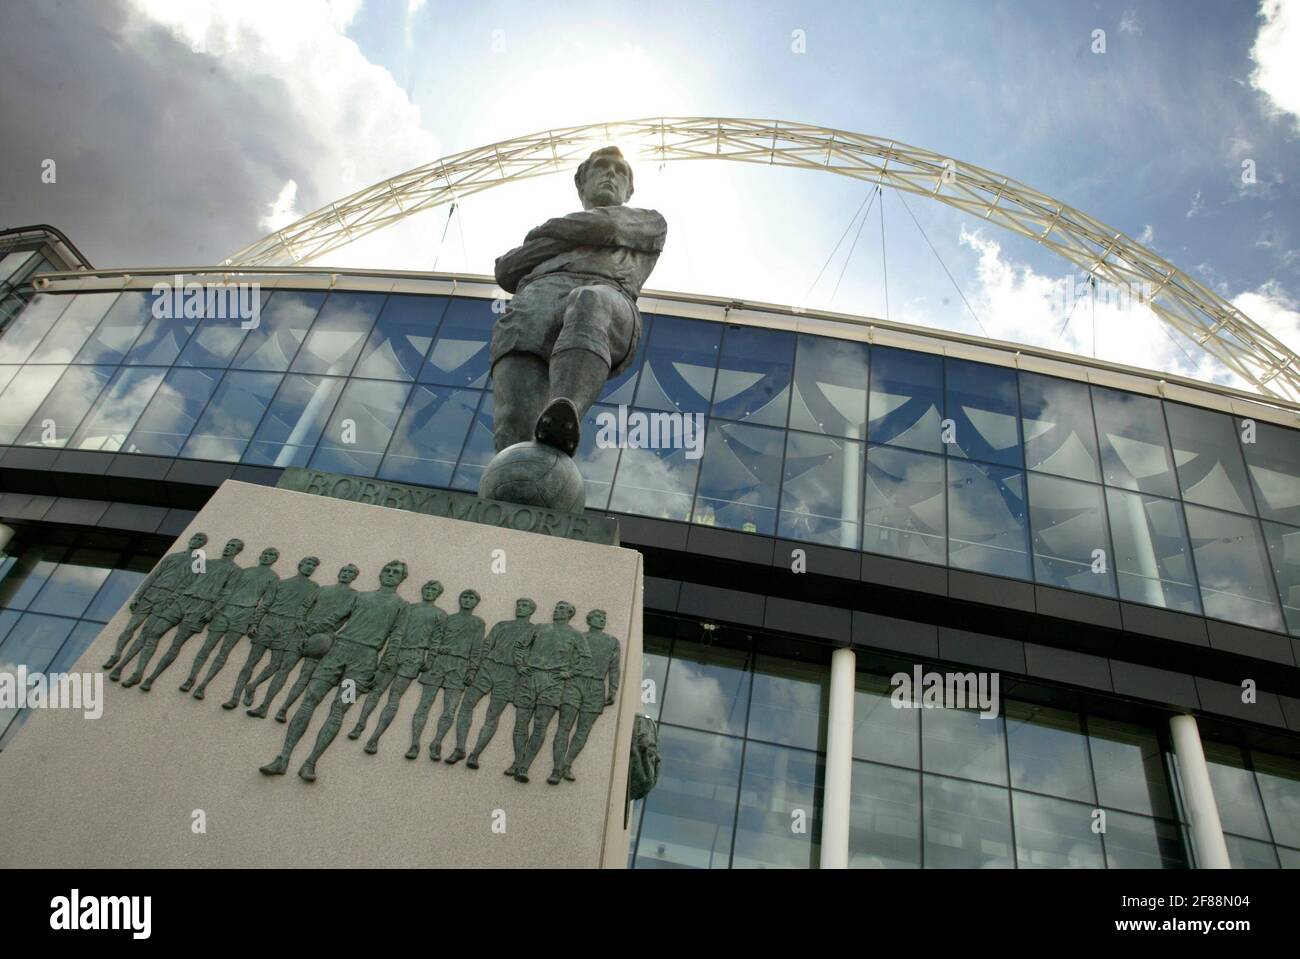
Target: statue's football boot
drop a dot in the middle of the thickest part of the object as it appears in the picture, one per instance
(559, 426)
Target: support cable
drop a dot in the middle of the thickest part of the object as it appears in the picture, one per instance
(941, 263)
(884, 263)
(845, 267)
(835, 248)
(443, 241)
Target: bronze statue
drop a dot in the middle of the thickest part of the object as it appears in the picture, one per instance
(493, 672)
(377, 618)
(586, 694)
(172, 574)
(547, 658)
(281, 613)
(241, 603)
(446, 669)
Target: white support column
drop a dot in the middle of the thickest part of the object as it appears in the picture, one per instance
(6, 534)
(838, 792)
(1202, 811)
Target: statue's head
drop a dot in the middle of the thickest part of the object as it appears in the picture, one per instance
(198, 540)
(431, 590)
(269, 556)
(469, 599)
(393, 573)
(233, 548)
(564, 611)
(307, 565)
(596, 619)
(348, 573)
(604, 179)
(524, 608)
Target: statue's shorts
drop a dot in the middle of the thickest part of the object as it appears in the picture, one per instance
(496, 678)
(276, 632)
(154, 599)
(585, 694)
(446, 671)
(188, 611)
(233, 619)
(540, 687)
(348, 660)
(533, 321)
(405, 663)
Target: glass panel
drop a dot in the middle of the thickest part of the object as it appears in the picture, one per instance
(1274, 464)
(70, 589)
(1134, 447)
(430, 435)
(620, 389)
(161, 342)
(830, 387)
(1284, 553)
(689, 814)
(32, 642)
(1152, 557)
(217, 339)
(78, 641)
(819, 492)
(114, 336)
(986, 519)
(904, 514)
(1240, 808)
(7, 373)
(753, 382)
(23, 334)
(1048, 751)
(961, 742)
(1210, 468)
(597, 454)
(680, 365)
(786, 702)
(1233, 567)
(654, 667)
(883, 731)
(1069, 526)
(885, 818)
(1054, 834)
(285, 318)
(1290, 857)
(1250, 854)
(23, 395)
(707, 688)
(73, 327)
(26, 574)
(967, 825)
(460, 355)
(739, 478)
(337, 335)
(295, 420)
(655, 482)
(401, 337)
(1135, 842)
(232, 416)
(778, 784)
(62, 411)
(479, 448)
(1279, 784)
(172, 412)
(359, 430)
(117, 589)
(983, 404)
(1128, 764)
(906, 397)
(1059, 435)
(11, 264)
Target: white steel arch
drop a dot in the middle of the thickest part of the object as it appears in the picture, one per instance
(1108, 254)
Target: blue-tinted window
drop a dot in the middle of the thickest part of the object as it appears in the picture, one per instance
(119, 587)
(172, 413)
(1210, 469)
(820, 489)
(1152, 556)
(906, 399)
(680, 365)
(785, 704)
(983, 405)
(904, 513)
(964, 743)
(885, 821)
(429, 436)
(1071, 544)
(338, 334)
(1135, 450)
(295, 420)
(23, 335)
(967, 825)
(621, 388)
(655, 482)
(116, 333)
(740, 478)
(73, 328)
(1055, 834)
(162, 341)
(1059, 433)
(775, 781)
(753, 382)
(33, 641)
(597, 453)
(1047, 752)
(1273, 460)
(401, 337)
(986, 519)
(285, 319)
(1129, 767)
(29, 386)
(1284, 553)
(358, 432)
(217, 338)
(71, 586)
(479, 449)
(830, 387)
(461, 354)
(230, 419)
(1233, 568)
(60, 414)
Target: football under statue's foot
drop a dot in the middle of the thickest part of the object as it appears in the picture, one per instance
(559, 426)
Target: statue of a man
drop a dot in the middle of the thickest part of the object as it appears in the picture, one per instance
(573, 322)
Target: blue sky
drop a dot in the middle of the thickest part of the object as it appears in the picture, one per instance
(1148, 136)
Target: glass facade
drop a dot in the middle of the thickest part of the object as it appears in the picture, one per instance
(911, 455)
(1258, 795)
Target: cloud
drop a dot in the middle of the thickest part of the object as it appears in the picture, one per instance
(1197, 206)
(1129, 23)
(1148, 235)
(1273, 308)
(281, 211)
(1276, 54)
